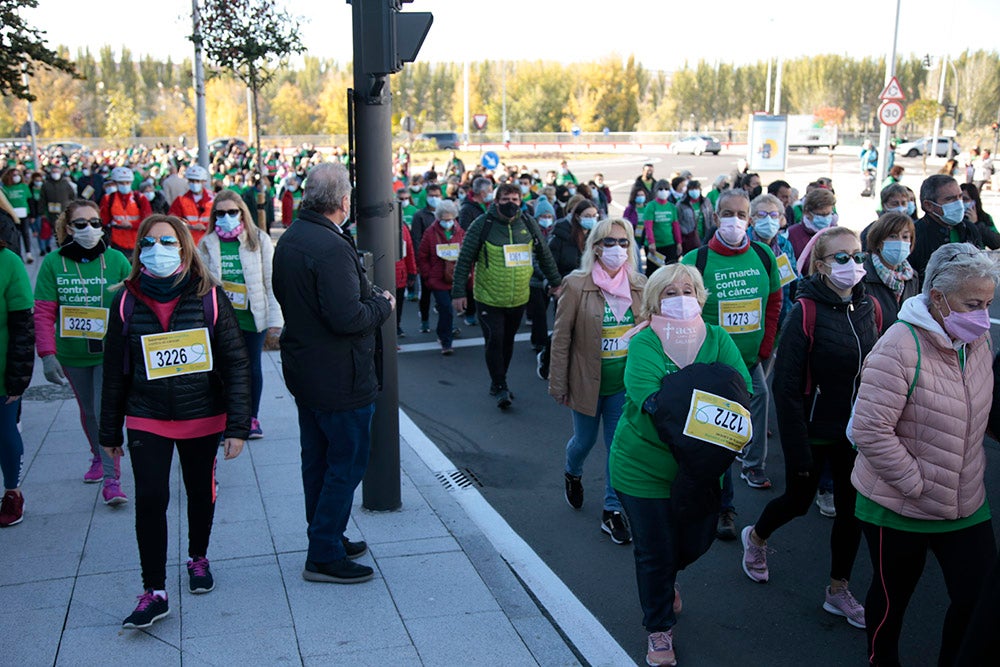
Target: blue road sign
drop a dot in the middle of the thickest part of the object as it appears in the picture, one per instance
(490, 160)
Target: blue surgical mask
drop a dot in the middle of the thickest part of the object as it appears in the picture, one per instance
(160, 260)
(640, 200)
(194, 187)
(894, 252)
(821, 221)
(433, 202)
(588, 223)
(953, 212)
(228, 222)
(124, 189)
(766, 229)
(969, 205)
(571, 191)
(488, 198)
(525, 189)
(896, 209)
(446, 224)
(546, 221)
(694, 194)
(911, 208)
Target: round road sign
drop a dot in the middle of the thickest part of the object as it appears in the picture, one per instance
(890, 113)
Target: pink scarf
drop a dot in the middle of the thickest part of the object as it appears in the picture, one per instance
(229, 236)
(617, 291)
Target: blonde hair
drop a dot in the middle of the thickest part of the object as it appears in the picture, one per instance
(191, 263)
(664, 277)
(596, 235)
(822, 245)
(62, 222)
(249, 226)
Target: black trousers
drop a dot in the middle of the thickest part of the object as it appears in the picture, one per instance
(965, 556)
(151, 457)
(499, 327)
(538, 312)
(845, 537)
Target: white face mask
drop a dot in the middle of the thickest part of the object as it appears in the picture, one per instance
(614, 257)
(88, 237)
(662, 194)
(732, 230)
(16, 179)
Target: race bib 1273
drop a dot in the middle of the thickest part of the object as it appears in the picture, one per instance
(740, 316)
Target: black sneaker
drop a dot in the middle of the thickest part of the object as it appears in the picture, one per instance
(504, 398)
(355, 549)
(725, 529)
(615, 525)
(343, 571)
(542, 367)
(199, 576)
(574, 491)
(495, 389)
(425, 327)
(150, 609)
(400, 333)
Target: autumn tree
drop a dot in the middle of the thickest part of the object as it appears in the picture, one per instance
(22, 50)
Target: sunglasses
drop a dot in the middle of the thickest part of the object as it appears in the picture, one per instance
(611, 242)
(760, 215)
(219, 213)
(844, 258)
(82, 223)
(165, 241)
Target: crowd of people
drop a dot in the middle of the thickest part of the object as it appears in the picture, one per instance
(675, 324)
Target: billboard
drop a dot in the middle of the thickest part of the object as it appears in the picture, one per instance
(767, 145)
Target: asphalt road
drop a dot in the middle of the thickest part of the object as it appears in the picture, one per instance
(518, 456)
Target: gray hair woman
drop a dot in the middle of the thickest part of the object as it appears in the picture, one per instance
(918, 424)
(436, 259)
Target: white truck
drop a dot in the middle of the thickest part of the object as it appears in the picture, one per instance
(810, 132)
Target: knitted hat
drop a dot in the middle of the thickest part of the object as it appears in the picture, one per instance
(543, 207)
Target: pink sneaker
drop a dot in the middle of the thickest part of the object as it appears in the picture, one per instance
(256, 433)
(754, 558)
(842, 603)
(660, 649)
(113, 493)
(96, 472)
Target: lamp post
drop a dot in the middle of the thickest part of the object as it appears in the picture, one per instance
(940, 100)
(883, 144)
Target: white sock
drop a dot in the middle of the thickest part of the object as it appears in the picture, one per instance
(162, 594)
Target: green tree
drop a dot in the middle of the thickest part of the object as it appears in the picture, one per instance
(121, 119)
(23, 49)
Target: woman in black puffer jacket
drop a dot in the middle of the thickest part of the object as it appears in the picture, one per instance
(176, 372)
(569, 236)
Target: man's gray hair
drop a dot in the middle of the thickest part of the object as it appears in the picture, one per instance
(326, 186)
(954, 264)
(932, 185)
(732, 193)
(446, 206)
(480, 186)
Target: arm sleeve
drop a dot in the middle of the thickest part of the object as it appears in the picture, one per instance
(788, 389)
(286, 209)
(467, 257)
(115, 384)
(424, 255)
(341, 307)
(770, 323)
(234, 365)
(45, 327)
(643, 367)
(562, 339)
(145, 208)
(106, 210)
(411, 253)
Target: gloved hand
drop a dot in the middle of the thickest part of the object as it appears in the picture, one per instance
(53, 370)
(411, 282)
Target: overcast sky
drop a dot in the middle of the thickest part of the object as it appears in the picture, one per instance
(660, 38)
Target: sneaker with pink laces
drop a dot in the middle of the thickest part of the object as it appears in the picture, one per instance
(256, 432)
(96, 472)
(842, 603)
(754, 558)
(11, 509)
(112, 492)
(660, 649)
(200, 578)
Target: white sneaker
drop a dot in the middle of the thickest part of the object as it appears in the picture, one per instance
(824, 501)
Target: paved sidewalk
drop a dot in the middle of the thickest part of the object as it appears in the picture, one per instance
(442, 594)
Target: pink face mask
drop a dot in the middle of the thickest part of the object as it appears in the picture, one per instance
(681, 339)
(966, 327)
(846, 276)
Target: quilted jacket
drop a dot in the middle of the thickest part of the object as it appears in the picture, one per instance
(256, 273)
(923, 456)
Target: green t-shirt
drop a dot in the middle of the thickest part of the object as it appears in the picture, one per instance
(232, 272)
(662, 215)
(612, 357)
(640, 464)
(418, 199)
(18, 195)
(713, 196)
(408, 212)
(870, 511)
(738, 288)
(16, 296)
(79, 284)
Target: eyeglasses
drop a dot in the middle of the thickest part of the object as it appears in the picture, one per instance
(219, 213)
(82, 223)
(165, 241)
(611, 242)
(760, 215)
(844, 258)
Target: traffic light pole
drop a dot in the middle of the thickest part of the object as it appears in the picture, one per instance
(883, 143)
(375, 216)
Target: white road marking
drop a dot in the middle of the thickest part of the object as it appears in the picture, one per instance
(458, 342)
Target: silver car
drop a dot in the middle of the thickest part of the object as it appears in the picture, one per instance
(922, 146)
(697, 144)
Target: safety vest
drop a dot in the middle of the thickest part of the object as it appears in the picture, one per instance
(124, 210)
(193, 212)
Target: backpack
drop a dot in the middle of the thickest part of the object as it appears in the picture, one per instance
(126, 307)
(809, 327)
(529, 222)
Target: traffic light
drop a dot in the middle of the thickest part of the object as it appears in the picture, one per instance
(390, 37)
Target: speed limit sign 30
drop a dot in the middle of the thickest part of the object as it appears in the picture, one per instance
(891, 112)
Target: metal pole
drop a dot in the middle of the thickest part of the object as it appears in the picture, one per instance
(777, 88)
(377, 231)
(883, 144)
(199, 86)
(31, 122)
(465, 99)
(503, 115)
(250, 141)
(767, 95)
(940, 100)
(954, 118)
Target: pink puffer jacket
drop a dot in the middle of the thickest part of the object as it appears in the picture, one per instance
(922, 457)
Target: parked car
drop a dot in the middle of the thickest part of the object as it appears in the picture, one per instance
(67, 147)
(221, 144)
(922, 146)
(444, 140)
(696, 145)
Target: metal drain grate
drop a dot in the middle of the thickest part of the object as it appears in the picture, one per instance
(455, 480)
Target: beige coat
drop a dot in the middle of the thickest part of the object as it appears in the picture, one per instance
(575, 361)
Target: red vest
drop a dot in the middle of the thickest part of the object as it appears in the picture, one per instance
(193, 212)
(124, 210)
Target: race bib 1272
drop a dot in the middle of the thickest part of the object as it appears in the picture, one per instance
(718, 421)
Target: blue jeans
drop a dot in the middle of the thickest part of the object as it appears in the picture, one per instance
(446, 317)
(656, 564)
(11, 445)
(585, 428)
(334, 458)
(255, 347)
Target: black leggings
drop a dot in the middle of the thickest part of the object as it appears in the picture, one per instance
(845, 537)
(151, 457)
(425, 301)
(538, 312)
(898, 558)
(499, 327)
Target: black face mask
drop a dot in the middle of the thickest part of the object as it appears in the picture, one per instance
(508, 209)
(756, 192)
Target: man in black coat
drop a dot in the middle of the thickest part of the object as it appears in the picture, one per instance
(944, 221)
(332, 314)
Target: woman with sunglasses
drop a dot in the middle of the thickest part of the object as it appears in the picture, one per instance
(238, 254)
(918, 425)
(587, 364)
(175, 375)
(72, 303)
(826, 337)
